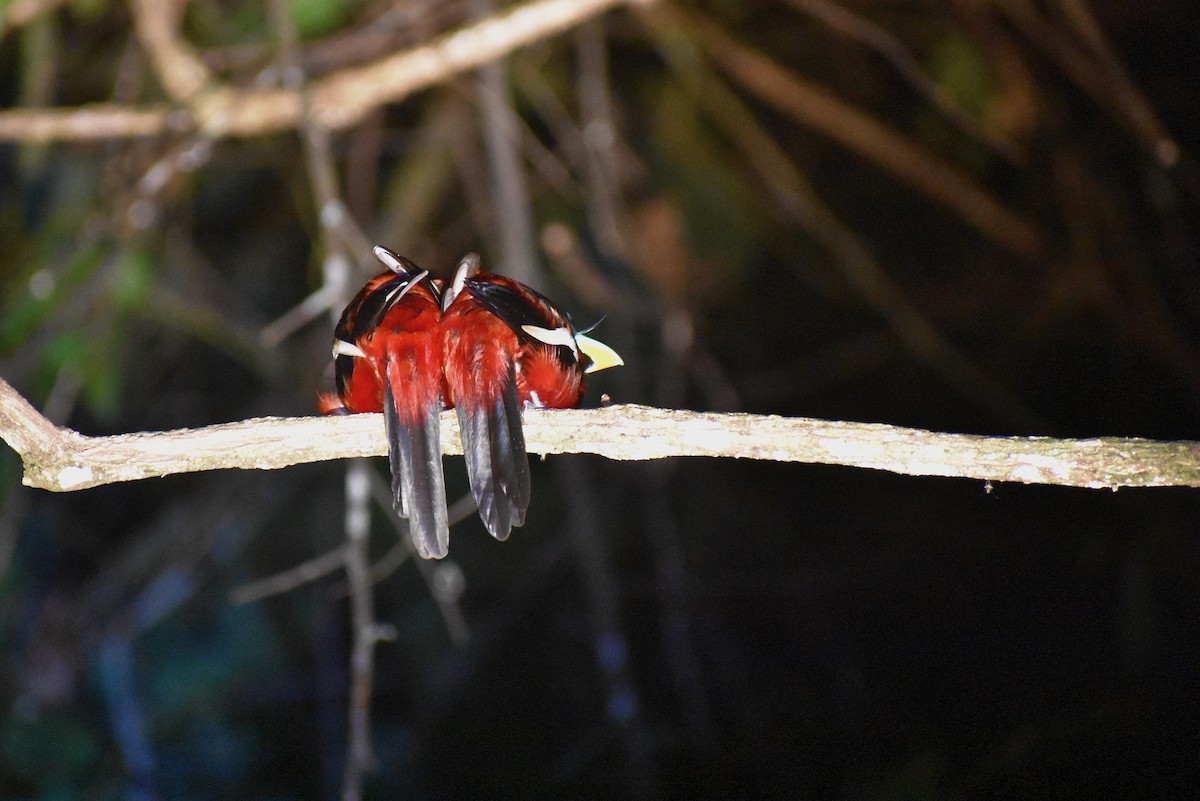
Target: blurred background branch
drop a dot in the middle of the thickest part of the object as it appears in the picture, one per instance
(338, 100)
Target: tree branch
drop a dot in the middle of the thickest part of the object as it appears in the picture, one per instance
(60, 459)
(338, 101)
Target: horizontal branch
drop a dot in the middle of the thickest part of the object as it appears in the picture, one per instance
(83, 123)
(60, 459)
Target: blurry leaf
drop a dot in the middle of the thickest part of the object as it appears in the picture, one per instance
(720, 211)
(19, 319)
(227, 25)
(88, 349)
(88, 10)
(958, 66)
(45, 748)
(960, 70)
(132, 279)
(90, 359)
(68, 349)
(317, 17)
(187, 669)
(40, 296)
(102, 387)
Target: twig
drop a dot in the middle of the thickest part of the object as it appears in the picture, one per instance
(60, 459)
(179, 68)
(290, 579)
(94, 122)
(359, 755)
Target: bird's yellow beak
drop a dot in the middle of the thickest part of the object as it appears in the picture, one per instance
(602, 355)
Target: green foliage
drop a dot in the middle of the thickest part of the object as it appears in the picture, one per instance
(132, 280)
(319, 17)
(72, 317)
(33, 302)
(958, 66)
(89, 346)
(51, 751)
(721, 210)
(88, 10)
(189, 673)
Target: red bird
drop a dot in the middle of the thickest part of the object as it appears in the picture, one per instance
(505, 347)
(387, 351)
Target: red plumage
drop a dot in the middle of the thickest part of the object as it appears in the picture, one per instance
(505, 347)
(388, 357)
(489, 346)
(480, 354)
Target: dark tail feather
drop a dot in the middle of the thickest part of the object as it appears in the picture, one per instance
(418, 486)
(395, 433)
(497, 465)
(511, 449)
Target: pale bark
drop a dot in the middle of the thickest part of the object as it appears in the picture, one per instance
(60, 459)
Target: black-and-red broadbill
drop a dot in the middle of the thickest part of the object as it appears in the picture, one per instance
(487, 345)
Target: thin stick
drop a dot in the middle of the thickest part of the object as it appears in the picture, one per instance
(359, 755)
(290, 579)
(60, 459)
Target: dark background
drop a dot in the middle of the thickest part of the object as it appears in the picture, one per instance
(683, 629)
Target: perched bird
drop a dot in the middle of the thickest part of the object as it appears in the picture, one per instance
(387, 352)
(506, 347)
